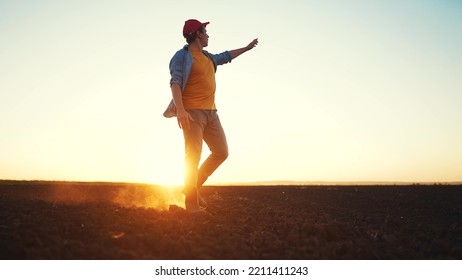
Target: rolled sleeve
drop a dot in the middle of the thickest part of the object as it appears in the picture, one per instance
(221, 58)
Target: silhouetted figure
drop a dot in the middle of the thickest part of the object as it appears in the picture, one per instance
(192, 82)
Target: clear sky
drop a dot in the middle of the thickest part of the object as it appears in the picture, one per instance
(336, 90)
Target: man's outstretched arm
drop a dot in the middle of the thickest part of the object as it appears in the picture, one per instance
(238, 52)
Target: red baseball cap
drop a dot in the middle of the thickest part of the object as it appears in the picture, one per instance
(191, 26)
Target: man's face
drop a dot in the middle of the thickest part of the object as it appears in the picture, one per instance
(204, 38)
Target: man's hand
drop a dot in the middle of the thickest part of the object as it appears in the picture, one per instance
(183, 118)
(252, 44)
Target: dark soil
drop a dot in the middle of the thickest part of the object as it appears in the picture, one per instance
(257, 222)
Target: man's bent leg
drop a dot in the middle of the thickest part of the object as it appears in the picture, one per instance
(215, 138)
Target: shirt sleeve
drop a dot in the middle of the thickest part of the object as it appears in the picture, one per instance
(221, 58)
(176, 69)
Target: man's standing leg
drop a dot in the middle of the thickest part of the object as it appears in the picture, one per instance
(193, 149)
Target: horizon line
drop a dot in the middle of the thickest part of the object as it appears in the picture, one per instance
(256, 183)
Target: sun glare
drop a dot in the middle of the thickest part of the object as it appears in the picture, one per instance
(162, 177)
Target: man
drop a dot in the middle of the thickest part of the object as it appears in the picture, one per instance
(192, 83)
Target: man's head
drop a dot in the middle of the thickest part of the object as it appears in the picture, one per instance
(194, 29)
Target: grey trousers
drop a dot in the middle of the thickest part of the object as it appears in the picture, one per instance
(207, 128)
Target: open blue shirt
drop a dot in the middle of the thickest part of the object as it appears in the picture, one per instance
(180, 69)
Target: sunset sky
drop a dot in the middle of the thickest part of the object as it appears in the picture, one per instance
(335, 91)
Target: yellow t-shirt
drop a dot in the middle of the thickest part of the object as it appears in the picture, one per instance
(199, 92)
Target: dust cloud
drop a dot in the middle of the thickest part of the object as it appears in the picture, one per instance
(124, 195)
